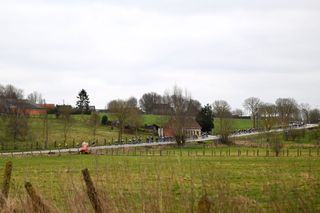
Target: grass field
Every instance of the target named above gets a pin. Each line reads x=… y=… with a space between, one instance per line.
x=174 y=183
x=80 y=131
x=236 y=124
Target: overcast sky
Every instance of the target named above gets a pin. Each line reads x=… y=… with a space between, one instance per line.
x=222 y=49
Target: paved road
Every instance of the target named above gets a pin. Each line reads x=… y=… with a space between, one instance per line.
x=210 y=137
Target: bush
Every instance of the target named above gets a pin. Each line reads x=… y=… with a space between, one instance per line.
x=294 y=134
x=104 y=120
x=275 y=144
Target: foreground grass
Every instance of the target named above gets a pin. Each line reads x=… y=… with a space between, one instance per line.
x=174 y=183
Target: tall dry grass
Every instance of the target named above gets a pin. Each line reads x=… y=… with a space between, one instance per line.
x=161 y=185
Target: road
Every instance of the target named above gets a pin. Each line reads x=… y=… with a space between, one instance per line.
x=210 y=137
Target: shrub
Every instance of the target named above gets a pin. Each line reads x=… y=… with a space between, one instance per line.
x=294 y=134
x=276 y=145
x=104 y=120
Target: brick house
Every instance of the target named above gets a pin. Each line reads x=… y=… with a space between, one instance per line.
x=13 y=105
x=191 y=128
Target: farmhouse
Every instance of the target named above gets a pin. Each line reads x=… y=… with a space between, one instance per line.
x=191 y=128
x=14 y=105
x=47 y=106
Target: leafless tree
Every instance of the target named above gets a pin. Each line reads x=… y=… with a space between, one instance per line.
x=94 y=122
x=287 y=109
x=10 y=92
x=314 y=116
x=65 y=115
x=252 y=105
x=182 y=112
x=237 y=112
x=148 y=101
x=268 y=115
x=17 y=123
x=195 y=107
x=133 y=102
x=305 y=111
x=222 y=110
x=45 y=130
x=135 y=120
x=35 y=98
x=122 y=110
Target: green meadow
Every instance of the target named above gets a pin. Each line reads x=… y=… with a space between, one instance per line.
x=79 y=130
x=175 y=181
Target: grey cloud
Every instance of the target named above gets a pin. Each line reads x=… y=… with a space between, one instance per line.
x=216 y=49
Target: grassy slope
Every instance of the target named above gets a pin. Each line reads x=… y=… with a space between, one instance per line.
x=79 y=131
x=237 y=124
x=176 y=182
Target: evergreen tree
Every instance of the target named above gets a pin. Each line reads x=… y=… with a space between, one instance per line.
x=83 y=101
x=205 y=118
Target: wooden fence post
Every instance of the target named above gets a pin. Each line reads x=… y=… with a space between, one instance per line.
x=91 y=191
x=37 y=202
x=6 y=183
x=6 y=179
x=205 y=204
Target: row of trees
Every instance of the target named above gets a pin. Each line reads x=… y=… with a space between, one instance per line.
x=181 y=108
x=181 y=105
x=283 y=111
x=13 y=123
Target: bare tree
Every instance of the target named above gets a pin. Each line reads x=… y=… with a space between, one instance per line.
x=94 y=122
x=35 y=98
x=10 y=92
x=222 y=110
x=182 y=112
x=305 y=112
x=268 y=115
x=314 y=116
x=45 y=130
x=133 y=102
x=2 y=91
x=135 y=120
x=237 y=112
x=252 y=105
x=65 y=115
x=195 y=107
x=148 y=101
x=287 y=109
x=122 y=110
x=17 y=125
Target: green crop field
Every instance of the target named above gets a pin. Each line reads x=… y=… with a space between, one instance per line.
x=173 y=183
